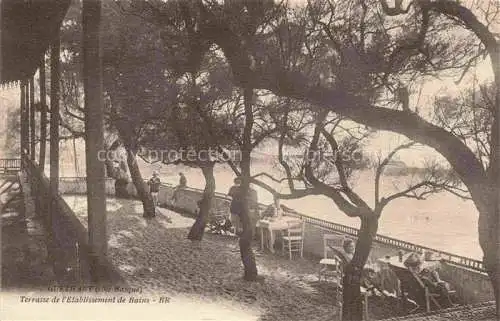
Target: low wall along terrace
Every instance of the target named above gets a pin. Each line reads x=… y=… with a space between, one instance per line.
x=465 y=274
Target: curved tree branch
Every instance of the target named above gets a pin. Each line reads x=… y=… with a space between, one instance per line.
x=383 y=164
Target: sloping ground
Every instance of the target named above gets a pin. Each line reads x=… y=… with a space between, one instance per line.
x=156 y=256
x=24 y=257
x=479 y=312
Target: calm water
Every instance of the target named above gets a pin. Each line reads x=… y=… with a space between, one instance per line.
x=442 y=221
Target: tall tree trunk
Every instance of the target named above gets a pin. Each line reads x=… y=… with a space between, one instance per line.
x=246 y=237
x=352 y=308
x=43 y=116
x=142 y=192
x=32 y=133
x=495 y=177
x=198 y=228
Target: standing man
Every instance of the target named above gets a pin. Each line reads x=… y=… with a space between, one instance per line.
x=253 y=207
x=236 y=205
x=182 y=180
x=182 y=184
x=154 y=187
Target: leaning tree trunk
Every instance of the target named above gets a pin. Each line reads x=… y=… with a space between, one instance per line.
x=198 y=228
x=121 y=190
x=142 y=192
x=352 y=308
x=121 y=180
x=488 y=225
x=494 y=176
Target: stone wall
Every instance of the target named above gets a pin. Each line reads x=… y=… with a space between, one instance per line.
x=471 y=286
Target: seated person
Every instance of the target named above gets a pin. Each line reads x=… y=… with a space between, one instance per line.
x=348 y=249
x=430 y=278
x=369 y=278
x=269 y=212
x=274 y=210
x=371 y=282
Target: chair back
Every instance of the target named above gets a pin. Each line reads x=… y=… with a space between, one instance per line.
x=411 y=283
x=331 y=242
x=295 y=229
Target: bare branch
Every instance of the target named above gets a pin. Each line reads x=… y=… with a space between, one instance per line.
x=281 y=159
x=344 y=205
x=382 y=165
x=269 y=176
x=353 y=197
x=263 y=135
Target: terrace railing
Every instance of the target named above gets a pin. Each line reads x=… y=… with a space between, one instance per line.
x=446 y=256
x=476 y=265
x=10 y=165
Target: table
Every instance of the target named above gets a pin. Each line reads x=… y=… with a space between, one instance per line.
x=274 y=224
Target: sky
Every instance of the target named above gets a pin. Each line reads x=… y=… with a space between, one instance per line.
x=385 y=141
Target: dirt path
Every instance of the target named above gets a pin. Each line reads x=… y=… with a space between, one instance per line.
x=156 y=256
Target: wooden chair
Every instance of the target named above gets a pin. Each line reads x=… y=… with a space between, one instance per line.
x=412 y=286
x=293 y=241
x=331 y=264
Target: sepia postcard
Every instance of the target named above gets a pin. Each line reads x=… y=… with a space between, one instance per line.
x=247 y=160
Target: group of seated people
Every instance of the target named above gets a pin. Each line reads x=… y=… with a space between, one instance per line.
x=430 y=278
x=370 y=279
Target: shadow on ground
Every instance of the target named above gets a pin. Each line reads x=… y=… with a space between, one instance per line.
x=155 y=255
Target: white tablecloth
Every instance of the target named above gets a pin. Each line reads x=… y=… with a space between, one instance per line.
x=274 y=224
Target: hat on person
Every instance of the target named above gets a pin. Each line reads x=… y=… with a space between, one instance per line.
x=369 y=268
x=413 y=260
x=431 y=256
